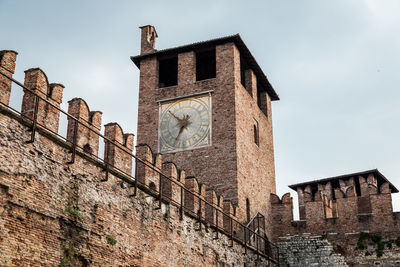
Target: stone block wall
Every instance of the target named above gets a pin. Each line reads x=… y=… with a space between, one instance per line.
x=299 y=251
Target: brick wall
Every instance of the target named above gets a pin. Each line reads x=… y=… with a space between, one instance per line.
x=54 y=212
x=233 y=166
x=256 y=168
x=343 y=219
x=218 y=170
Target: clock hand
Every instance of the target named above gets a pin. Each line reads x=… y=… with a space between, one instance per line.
x=176 y=117
x=180 y=131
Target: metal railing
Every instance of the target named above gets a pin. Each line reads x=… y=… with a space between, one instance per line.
x=233 y=229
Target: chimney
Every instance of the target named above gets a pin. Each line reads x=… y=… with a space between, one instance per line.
x=148 y=40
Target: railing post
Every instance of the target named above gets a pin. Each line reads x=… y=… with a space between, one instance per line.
x=160 y=193
x=245 y=240
x=258 y=255
x=136 y=175
x=74 y=142
x=34 y=124
x=258 y=225
x=199 y=213
x=216 y=222
x=181 y=205
x=231 y=231
x=107 y=149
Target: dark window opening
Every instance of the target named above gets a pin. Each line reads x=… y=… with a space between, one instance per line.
x=205 y=65
x=259 y=94
x=262 y=100
x=358 y=188
x=168 y=72
x=314 y=190
x=335 y=184
x=243 y=68
x=248 y=209
x=256 y=134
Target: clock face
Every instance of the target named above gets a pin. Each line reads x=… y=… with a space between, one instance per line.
x=185 y=124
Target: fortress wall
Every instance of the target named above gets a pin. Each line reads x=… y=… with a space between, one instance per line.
x=343 y=220
x=309 y=251
x=57 y=209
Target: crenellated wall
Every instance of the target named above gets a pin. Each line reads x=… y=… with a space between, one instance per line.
x=340 y=210
x=87 y=211
x=7 y=66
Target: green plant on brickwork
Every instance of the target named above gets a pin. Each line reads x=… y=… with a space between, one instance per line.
x=68 y=258
x=398 y=241
x=360 y=245
x=74 y=213
x=364 y=235
x=389 y=244
x=376 y=239
x=379 y=248
x=360 y=242
x=322 y=237
x=111 y=240
x=367 y=253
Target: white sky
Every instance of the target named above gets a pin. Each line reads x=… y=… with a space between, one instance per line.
x=334 y=65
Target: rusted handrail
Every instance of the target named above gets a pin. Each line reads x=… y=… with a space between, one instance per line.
x=134 y=182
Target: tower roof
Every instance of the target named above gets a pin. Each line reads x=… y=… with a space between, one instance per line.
x=381 y=179
x=236 y=39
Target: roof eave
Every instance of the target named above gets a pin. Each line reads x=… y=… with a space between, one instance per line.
x=324 y=180
x=233 y=38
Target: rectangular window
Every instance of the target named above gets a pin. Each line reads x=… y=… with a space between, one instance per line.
x=243 y=72
x=262 y=99
x=205 y=65
x=167 y=72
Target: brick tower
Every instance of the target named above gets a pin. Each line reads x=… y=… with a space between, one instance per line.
x=207 y=107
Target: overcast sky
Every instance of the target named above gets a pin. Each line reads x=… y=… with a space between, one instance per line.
x=334 y=64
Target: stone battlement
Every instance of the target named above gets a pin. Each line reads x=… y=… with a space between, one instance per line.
x=339 y=208
x=118 y=147
x=65 y=181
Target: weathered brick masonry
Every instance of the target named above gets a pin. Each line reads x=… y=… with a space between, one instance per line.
x=354 y=212
x=54 y=212
x=74 y=207
x=234 y=166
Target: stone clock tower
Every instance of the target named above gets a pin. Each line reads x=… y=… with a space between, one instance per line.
x=207 y=107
